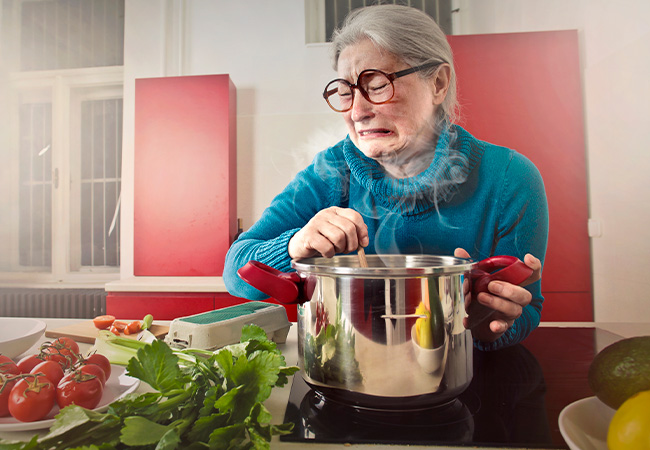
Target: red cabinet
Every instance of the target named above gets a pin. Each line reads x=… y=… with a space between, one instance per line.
x=185 y=175
x=185 y=198
x=170 y=305
x=162 y=305
x=523 y=91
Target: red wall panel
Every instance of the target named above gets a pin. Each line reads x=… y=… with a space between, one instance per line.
x=185 y=175
x=523 y=91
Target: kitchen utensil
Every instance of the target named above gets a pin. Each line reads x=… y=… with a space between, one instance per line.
x=215 y=329
x=355 y=324
x=363 y=262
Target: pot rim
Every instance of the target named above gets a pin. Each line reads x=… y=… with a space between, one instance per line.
x=384 y=265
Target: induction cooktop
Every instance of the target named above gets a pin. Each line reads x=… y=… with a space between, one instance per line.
x=514 y=400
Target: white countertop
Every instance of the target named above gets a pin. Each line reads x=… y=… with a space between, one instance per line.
x=277 y=402
x=167 y=284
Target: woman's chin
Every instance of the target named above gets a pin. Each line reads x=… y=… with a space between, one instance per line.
x=379 y=153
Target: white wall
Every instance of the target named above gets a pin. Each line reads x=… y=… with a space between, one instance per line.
x=283 y=120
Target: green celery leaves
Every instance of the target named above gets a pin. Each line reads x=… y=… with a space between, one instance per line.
x=200 y=400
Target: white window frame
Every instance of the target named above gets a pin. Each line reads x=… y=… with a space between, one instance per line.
x=66 y=89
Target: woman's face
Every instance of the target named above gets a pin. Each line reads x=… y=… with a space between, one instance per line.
x=396 y=132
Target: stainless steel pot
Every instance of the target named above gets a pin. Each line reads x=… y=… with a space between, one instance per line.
x=387 y=336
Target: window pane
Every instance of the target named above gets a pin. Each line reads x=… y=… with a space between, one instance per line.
x=111 y=194
x=67 y=34
x=86 y=224
x=330 y=18
x=337 y=10
x=98 y=229
x=35 y=197
x=101 y=159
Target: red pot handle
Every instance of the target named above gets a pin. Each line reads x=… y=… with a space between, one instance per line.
x=283 y=287
x=496 y=268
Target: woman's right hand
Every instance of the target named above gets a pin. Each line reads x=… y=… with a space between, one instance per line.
x=331 y=231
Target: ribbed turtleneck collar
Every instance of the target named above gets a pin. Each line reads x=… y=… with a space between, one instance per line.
x=456 y=154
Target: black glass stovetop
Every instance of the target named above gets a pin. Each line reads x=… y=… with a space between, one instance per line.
x=514 y=400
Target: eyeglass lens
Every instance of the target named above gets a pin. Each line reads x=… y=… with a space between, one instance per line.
x=374 y=86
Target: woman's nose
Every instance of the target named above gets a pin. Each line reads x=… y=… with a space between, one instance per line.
x=361 y=107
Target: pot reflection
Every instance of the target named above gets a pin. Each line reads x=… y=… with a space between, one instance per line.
x=511 y=385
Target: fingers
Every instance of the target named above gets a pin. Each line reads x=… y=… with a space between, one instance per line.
x=506 y=299
x=535 y=264
x=461 y=253
x=498 y=327
x=360 y=232
x=331 y=231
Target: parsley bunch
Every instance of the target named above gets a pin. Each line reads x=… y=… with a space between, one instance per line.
x=199 y=401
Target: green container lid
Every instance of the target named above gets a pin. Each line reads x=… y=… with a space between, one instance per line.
x=231 y=312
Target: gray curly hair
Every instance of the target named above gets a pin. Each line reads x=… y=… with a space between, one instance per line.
x=406 y=32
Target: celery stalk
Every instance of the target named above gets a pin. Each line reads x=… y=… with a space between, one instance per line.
x=118 y=350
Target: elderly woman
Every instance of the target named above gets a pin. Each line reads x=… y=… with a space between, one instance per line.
x=406 y=179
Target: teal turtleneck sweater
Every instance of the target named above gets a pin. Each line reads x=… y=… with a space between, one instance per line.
x=487 y=199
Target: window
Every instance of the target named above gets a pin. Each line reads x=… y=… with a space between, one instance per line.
x=63 y=148
x=323 y=16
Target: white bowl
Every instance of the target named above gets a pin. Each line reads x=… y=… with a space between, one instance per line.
x=18 y=334
x=584 y=424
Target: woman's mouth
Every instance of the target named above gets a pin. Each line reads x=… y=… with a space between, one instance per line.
x=374 y=132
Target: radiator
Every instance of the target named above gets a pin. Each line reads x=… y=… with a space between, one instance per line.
x=53 y=303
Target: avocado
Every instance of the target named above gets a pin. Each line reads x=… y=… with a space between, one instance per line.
x=621 y=370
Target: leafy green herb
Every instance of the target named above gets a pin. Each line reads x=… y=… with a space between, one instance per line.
x=200 y=400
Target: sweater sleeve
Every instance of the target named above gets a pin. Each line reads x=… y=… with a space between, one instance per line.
x=267 y=240
x=523 y=228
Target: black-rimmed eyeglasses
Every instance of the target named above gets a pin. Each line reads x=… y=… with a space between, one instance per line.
x=375 y=86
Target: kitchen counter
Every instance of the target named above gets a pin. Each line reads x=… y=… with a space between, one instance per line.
x=277 y=403
x=598 y=336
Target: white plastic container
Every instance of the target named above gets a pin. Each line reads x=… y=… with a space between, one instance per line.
x=215 y=329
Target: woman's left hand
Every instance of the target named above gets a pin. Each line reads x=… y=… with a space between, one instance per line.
x=506 y=299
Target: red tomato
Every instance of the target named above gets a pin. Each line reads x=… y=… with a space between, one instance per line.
x=67 y=342
x=133 y=327
x=79 y=389
x=103 y=322
x=66 y=347
x=101 y=361
x=8 y=366
x=5 y=388
x=27 y=363
x=32 y=398
x=52 y=370
x=95 y=370
x=52 y=354
x=114 y=330
x=120 y=325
